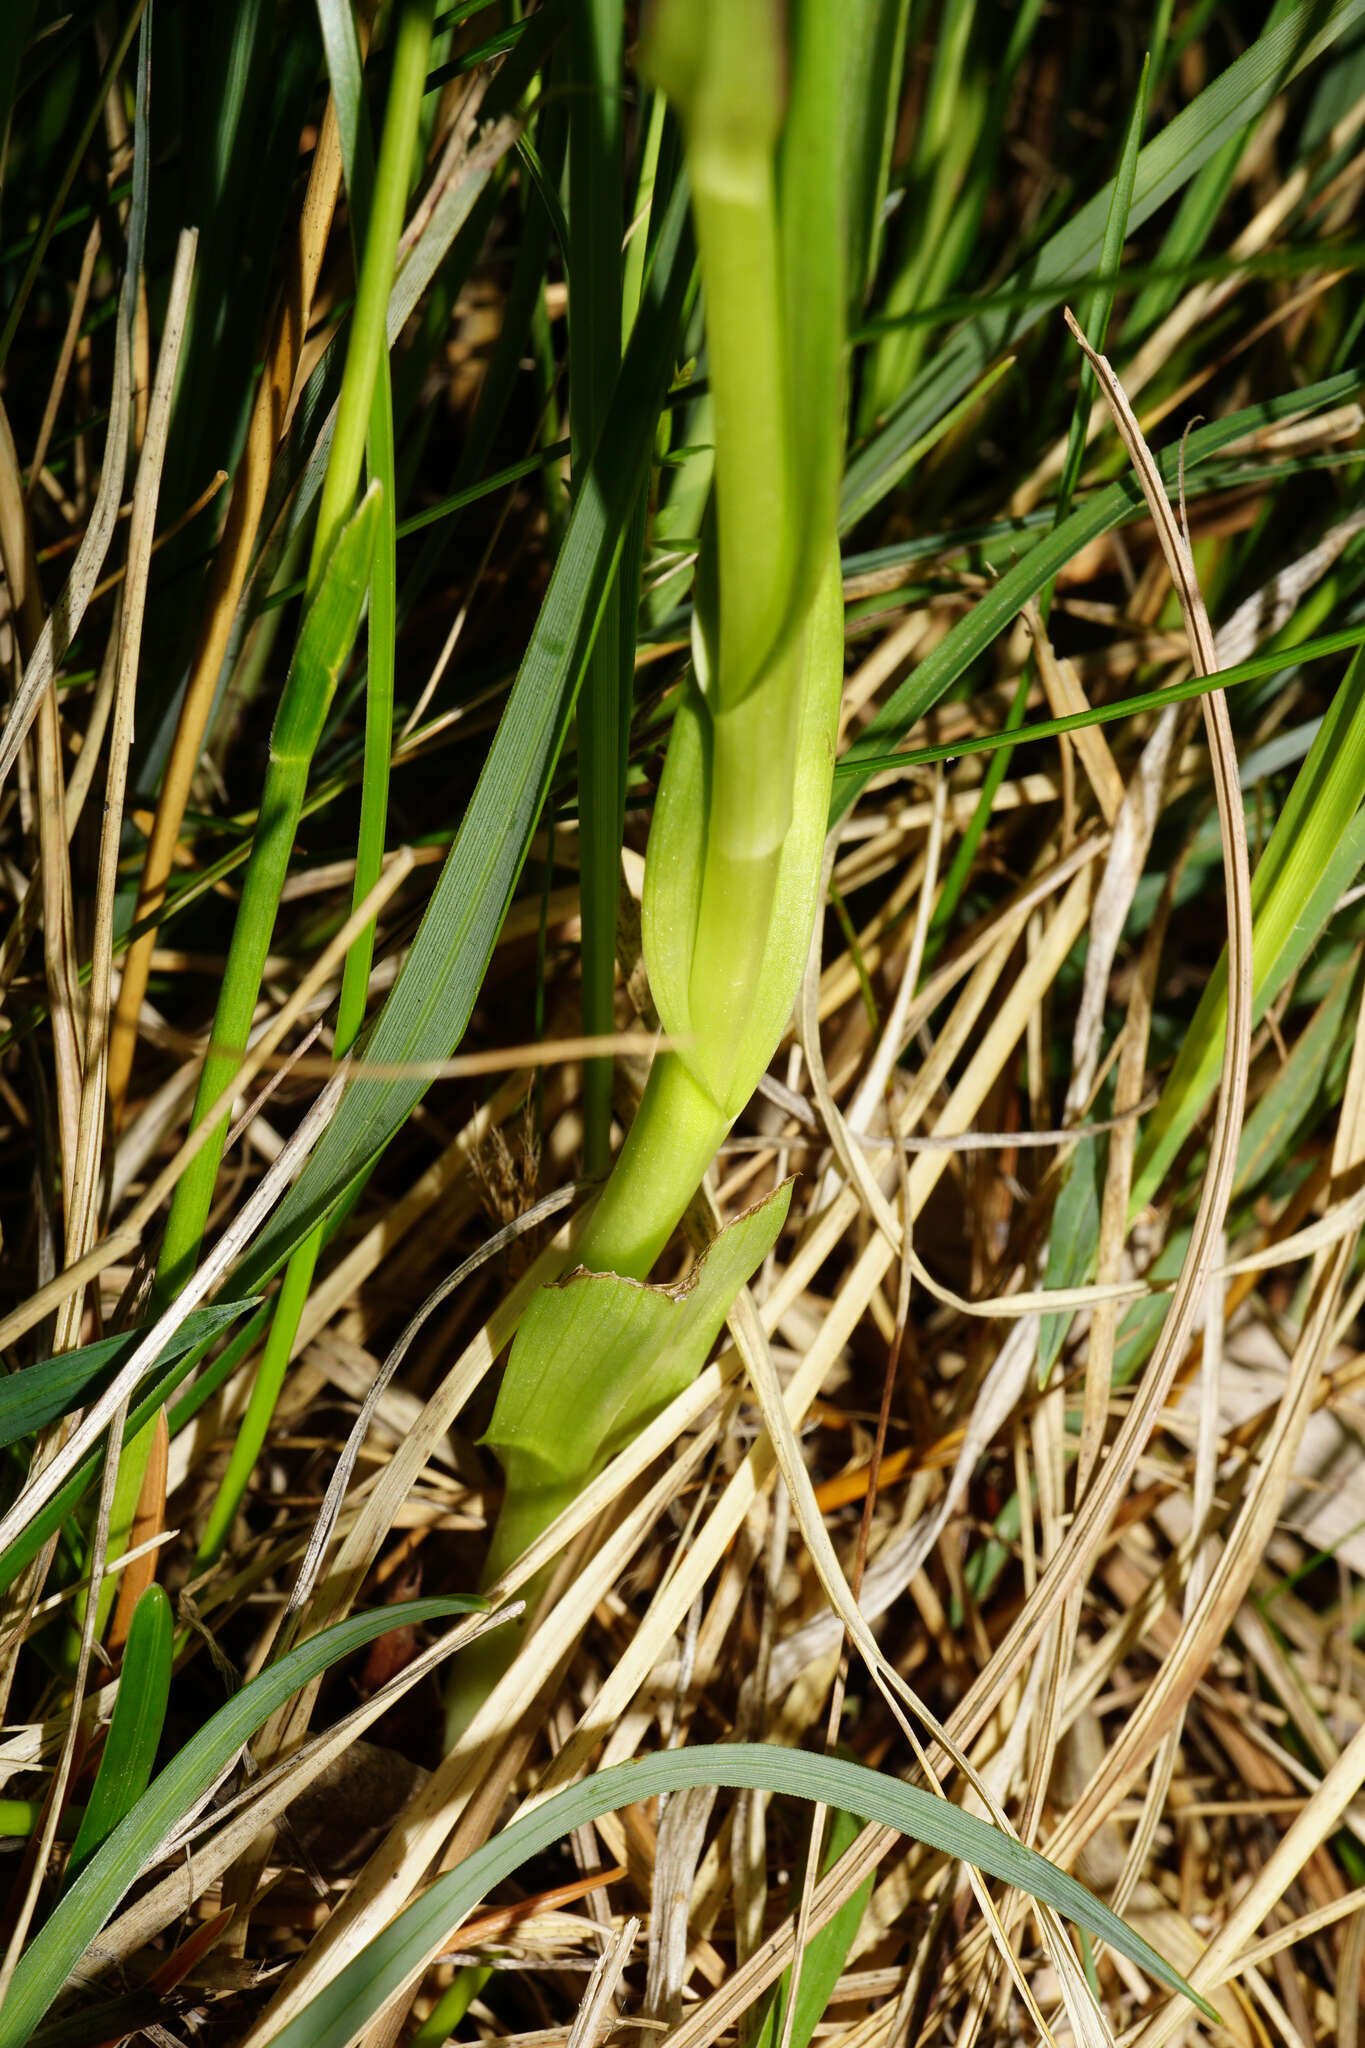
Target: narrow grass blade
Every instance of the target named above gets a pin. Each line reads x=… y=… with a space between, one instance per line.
x=325 y=643
x=1169 y=161
x=1072 y=1243
x=341 y=45
x=1254 y=669
x=144 y=1688
x=1099 y=514
x=949 y=133
x=452 y=237
x=37 y=1394
x=380 y=224
x=68 y=1497
x=172 y=1797
x=874 y=33
x=1314 y=854
x=360 y=1992
x=426 y=1013
x=1312 y=1077
x=367 y=341
x=825 y=1955
x=596 y=168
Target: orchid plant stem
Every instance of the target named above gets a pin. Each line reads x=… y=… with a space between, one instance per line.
x=732 y=874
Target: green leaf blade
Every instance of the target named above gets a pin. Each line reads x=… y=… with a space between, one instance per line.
x=38 y=1394
x=1223 y=109
x=429 y=1006
x=78 y=1917
x=144 y=1690
x=394 y=1958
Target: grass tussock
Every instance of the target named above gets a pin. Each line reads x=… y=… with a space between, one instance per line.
x=885 y=1567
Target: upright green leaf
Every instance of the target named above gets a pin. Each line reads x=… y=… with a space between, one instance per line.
x=596 y=173
x=144 y=1688
x=429 y=1005
x=1315 y=852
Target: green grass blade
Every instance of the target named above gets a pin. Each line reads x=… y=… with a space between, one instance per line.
x=1095 y=320
x=390 y=196
x=949 y=133
x=1072 y=1242
x=1106 y=509
x=596 y=171
x=429 y=1006
x=359 y=1992
x=341 y=47
x=963 y=863
x=453 y=236
x=249 y=1438
x=366 y=345
x=495 y=393
x=325 y=643
x=144 y=1688
x=824 y=1956
x=874 y=33
x=1313 y=856
x=1278 y=662
x=171 y=1798
x=381 y=662
x=38 y=1394
x=1200 y=206
x=1315 y=852
x=1166 y=165
x=1311 y=1077
x=68 y=1497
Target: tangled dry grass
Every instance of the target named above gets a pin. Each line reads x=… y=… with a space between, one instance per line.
x=1103 y=1522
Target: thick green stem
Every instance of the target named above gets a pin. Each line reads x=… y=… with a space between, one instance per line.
x=671 y=1143
x=526 y=1513
x=595 y=1357
x=753 y=765
x=734 y=851
x=722 y=63
x=737 y=238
